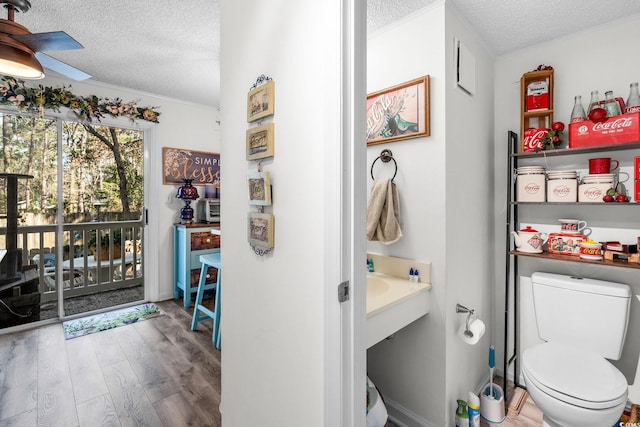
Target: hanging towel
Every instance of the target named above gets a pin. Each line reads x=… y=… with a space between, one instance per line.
x=383 y=213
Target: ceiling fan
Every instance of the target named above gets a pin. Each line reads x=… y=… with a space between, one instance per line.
x=21 y=51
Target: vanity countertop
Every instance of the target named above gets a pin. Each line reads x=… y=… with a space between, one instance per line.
x=392 y=304
x=381 y=297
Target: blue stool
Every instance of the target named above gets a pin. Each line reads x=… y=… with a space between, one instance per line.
x=209 y=260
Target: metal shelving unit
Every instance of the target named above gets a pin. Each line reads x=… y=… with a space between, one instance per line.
x=511 y=261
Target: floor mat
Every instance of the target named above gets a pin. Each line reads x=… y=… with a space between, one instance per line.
x=112 y=319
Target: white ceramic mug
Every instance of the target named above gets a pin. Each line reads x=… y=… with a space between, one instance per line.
x=572 y=225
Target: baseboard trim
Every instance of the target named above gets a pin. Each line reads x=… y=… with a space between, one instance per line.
x=404 y=417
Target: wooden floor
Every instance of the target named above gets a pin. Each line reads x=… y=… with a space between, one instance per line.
x=153 y=373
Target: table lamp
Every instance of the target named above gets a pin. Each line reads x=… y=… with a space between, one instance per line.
x=187 y=193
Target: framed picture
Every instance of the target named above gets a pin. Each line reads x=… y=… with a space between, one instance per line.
x=260 y=141
x=260 y=229
x=259 y=186
x=202 y=167
x=260 y=101
x=399 y=112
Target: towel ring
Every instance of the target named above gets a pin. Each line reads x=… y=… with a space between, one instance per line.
x=386 y=156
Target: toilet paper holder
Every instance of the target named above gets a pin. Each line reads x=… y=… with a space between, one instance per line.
x=462 y=309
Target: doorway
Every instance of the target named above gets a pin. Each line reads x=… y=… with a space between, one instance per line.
x=79 y=216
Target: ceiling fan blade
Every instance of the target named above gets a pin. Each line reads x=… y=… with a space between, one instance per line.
x=60 y=67
x=41 y=42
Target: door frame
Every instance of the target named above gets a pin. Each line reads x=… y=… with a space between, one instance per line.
x=346 y=375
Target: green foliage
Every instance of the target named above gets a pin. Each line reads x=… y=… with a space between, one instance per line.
x=104 y=239
x=87 y=108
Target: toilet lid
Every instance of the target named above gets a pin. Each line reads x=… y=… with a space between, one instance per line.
x=578 y=377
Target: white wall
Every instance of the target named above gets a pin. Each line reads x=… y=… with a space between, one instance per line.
x=446 y=215
x=469 y=213
x=274 y=336
x=602 y=58
x=182 y=125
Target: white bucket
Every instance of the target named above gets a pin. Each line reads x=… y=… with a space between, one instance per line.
x=492 y=407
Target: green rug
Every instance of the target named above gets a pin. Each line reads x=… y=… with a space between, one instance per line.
x=112 y=319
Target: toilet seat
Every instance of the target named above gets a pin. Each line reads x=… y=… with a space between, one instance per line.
x=578 y=377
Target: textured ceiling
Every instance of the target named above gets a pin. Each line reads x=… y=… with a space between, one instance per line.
x=172 y=49
x=508 y=25
x=168 y=48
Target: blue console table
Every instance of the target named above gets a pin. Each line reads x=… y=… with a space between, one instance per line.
x=189 y=242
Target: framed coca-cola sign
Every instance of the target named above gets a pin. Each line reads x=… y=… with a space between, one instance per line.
x=398 y=112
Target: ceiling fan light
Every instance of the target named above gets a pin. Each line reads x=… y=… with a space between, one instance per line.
x=19 y=63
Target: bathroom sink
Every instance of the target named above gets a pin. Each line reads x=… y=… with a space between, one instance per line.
x=376 y=286
x=392 y=304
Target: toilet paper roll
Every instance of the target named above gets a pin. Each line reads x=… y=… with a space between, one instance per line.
x=476 y=327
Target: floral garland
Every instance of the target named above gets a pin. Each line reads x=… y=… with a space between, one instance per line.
x=87 y=108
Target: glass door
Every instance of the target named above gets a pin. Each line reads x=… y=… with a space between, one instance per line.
x=71 y=230
x=103 y=199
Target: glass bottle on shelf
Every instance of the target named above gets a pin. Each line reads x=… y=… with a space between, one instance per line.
x=633 y=102
x=611 y=105
x=578 y=114
x=594 y=102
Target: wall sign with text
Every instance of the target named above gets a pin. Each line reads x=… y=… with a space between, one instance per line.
x=178 y=163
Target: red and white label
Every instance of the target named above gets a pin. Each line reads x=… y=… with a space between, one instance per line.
x=562 y=191
x=593 y=194
x=615 y=130
x=532 y=188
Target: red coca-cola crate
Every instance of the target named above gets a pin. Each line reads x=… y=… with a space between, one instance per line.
x=532 y=139
x=620 y=129
x=636 y=168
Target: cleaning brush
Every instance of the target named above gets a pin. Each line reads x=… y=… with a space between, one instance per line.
x=492 y=365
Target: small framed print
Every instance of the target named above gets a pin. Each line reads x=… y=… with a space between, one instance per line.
x=260 y=142
x=259 y=185
x=260 y=229
x=260 y=101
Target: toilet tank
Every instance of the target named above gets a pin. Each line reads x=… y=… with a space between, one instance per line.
x=585 y=313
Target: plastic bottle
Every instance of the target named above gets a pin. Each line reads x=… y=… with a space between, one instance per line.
x=371 y=265
x=474 y=410
x=633 y=102
x=462 y=416
x=595 y=101
x=578 y=114
x=611 y=105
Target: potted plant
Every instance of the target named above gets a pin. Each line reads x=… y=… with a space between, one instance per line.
x=104 y=244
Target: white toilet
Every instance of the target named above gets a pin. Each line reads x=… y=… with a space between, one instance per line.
x=583 y=321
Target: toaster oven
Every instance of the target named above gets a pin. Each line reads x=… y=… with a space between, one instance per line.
x=208 y=210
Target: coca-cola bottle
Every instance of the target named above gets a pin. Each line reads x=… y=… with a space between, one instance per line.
x=633 y=102
x=595 y=101
x=578 y=115
x=611 y=105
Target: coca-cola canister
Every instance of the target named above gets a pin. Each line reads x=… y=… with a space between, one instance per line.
x=530 y=184
x=562 y=186
x=532 y=139
x=594 y=187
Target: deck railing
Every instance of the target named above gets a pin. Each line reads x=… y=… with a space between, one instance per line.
x=74 y=265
